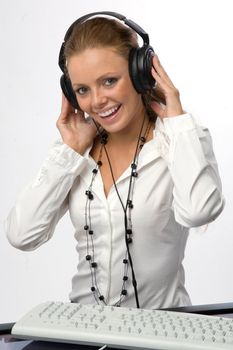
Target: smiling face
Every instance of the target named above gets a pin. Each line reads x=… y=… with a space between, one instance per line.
x=103 y=88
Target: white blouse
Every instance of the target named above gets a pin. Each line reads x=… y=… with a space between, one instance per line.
x=177 y=187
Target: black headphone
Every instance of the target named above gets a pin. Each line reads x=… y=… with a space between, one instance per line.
x=140 y=59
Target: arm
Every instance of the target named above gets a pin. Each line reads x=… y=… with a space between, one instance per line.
x=44 y=201
x=189 y=154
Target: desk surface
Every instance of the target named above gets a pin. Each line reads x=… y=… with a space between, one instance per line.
x=9 y=343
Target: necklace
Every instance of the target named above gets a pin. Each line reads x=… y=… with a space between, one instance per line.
x=127 y=208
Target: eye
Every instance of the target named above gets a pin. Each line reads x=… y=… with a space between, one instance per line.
x=81 y=91
x=110 y=81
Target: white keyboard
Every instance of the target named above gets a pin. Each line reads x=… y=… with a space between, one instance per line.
x=126 y=328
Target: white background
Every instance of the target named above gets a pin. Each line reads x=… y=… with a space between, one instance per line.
x=194 y=42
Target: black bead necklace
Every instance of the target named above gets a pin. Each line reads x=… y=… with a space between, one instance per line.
x=90 y=254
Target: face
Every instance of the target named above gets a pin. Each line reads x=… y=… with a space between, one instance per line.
x=103 y=88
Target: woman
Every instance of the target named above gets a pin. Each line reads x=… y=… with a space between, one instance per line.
x=135 y=176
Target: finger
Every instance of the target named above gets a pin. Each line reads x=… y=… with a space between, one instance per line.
x=161 y=83
x=158 y=67
x=157 y=108
x=66 y=111
x=160 y=71
x=79 y=117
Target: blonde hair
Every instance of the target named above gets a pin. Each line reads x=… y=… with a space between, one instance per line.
x=104 y=32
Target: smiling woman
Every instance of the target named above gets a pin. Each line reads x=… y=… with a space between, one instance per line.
x=135 y=175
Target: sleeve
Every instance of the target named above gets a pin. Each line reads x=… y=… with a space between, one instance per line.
x=44 y=201
x=187 y=149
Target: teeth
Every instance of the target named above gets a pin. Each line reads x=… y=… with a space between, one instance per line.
x=107 y=113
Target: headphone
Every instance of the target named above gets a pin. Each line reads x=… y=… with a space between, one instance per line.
x=140 y=59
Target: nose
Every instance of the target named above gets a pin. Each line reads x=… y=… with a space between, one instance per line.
x=99 y=99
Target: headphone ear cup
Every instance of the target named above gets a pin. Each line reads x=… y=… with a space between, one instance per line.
x=68 y=91
x=140 y=64
x=133 y=69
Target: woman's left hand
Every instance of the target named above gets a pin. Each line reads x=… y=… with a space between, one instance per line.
x=173 y=105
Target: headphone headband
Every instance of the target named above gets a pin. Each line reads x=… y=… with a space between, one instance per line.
x=141 y=32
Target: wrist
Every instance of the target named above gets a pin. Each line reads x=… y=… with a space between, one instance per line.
x=78 y=147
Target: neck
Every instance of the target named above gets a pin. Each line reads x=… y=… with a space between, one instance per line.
x=131 y=134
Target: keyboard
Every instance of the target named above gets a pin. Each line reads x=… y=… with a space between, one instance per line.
x=127 y=328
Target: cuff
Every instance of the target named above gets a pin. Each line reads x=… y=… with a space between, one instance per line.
x=174 y=125
x=64 y=156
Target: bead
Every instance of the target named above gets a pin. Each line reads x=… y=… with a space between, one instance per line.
x=134 y=166
x=125 y=261
x=101 y=297
x=88 y=257
x=95 y=171
x=94 y=265
x=103 y=139
x=129 y=240
x=125 y=278
x=89 y=194
x=129 y=231
x=91 y=232
x=130 y=203
x=99 y=163
x=104 y=135
x=134 y=174
x=86 y=227
x=124 y=292
x=92 y=288
x=143 y=139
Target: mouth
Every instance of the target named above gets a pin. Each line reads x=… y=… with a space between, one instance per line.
x=110 y=112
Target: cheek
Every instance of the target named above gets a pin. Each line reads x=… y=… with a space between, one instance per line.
x=128 y=92
x=83 y=104
x=123 y=92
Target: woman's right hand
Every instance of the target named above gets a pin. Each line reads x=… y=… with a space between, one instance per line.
x=75 y=130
